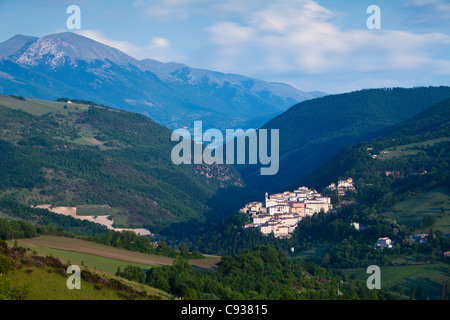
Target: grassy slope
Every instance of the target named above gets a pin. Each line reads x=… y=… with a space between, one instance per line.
x=411 y=148
x=131 y=171
x=410 y=212
x=43 y=285
x=92 y=261
x=102 y=257
x=46 y=282
x=429 y=277
x=40 y=107
x=314 y=131
x=47 y=285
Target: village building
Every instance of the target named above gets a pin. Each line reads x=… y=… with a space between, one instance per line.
x=279 y=208
x=383 y=243
x=343 y=186
x=358 y=226
x=420 y=238
x=253 y=207
x=280 y=213
x=297 y=208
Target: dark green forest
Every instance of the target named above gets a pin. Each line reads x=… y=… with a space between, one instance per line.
x=314 y=131
x=376 y=193
x=47 y=159
x=260 y=273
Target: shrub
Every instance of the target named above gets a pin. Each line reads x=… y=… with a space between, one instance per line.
x=6 y=264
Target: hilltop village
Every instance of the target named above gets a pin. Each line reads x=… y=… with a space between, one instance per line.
x=343 y=186
x=281 y=212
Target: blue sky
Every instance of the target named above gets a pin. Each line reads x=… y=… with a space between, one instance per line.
x=313 y=45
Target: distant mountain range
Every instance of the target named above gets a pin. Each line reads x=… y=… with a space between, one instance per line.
x=172 y=94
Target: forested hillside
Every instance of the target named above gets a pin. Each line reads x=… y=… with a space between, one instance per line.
x=314 y=131
x=68 y=154
x=401 y=179
x=408 y=158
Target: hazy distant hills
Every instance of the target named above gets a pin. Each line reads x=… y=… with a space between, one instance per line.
x=172 y=94
x=314 y=131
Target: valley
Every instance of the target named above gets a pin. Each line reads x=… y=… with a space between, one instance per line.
x=179 y=94
x=88 y=177
x=408 y=203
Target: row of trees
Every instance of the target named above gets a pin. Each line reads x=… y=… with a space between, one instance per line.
x=261 y=273
x=46 y=220
x=131 y=241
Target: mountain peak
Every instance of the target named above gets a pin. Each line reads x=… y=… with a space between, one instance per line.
x=68 y=47
x=14 y=44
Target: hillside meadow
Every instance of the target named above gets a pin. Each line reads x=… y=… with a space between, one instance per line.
x=102 y=257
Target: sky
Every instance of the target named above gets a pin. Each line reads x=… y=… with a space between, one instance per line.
x=321 y=45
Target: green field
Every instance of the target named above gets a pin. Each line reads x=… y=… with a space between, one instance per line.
x=411 y=149
x=315 y=251
x=120 y=219
x=92 y=261
x=47 y=284
x=95 y=210
x=44 y=285
x=40 y=107
x=410 y=212
x=430 y=277
x=105 y=260
x=102 y=257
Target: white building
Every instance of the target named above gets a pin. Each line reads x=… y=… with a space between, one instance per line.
x=383 y=243
x=285 y=210
x=261 y=218
x=358 y=226
x=253 y=207
x=316 y=206
x=345 y=183
x=279 y=209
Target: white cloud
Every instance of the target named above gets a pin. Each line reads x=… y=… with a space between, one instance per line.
x=439 y=5
x=229 y=33
x=158 y=48
x=171 y=9
x=301 y=37
x=429 y=12
x=267 y=38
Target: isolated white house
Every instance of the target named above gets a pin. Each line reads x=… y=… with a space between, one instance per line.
x=384 y=243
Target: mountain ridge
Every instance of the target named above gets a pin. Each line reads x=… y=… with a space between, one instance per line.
x=174 y=95
x=313 y=131
x=431 y=124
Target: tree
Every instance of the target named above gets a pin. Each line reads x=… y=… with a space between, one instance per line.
x=6 y=290
x=5 y=229
x=427 y=221
x=6 y=264
x=192 y=294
